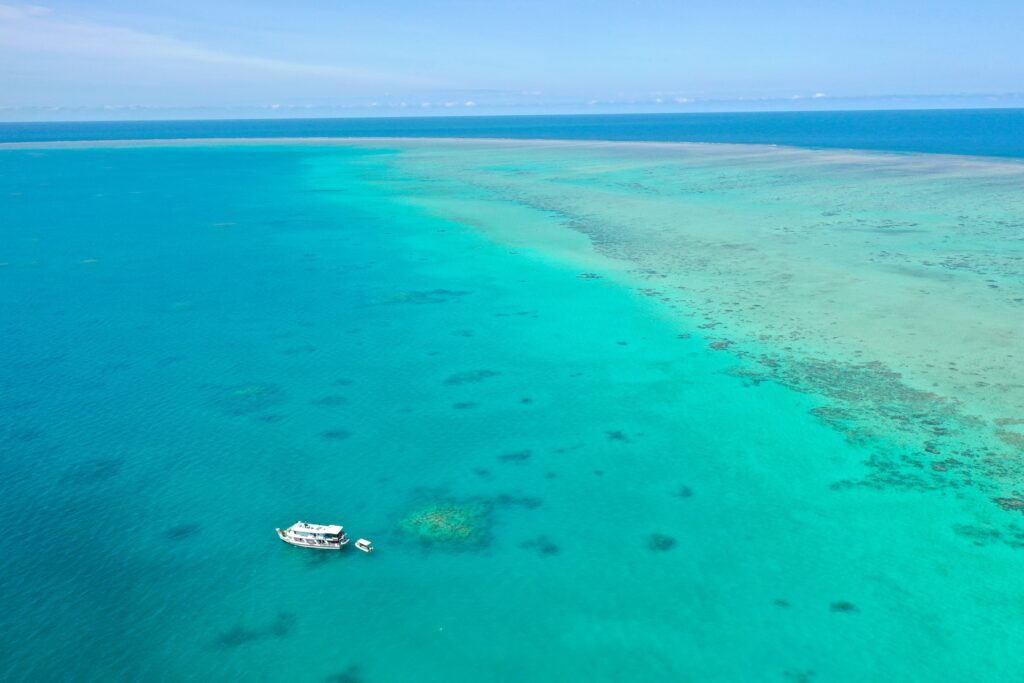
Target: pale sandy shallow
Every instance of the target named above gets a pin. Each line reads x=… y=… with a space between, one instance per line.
x=891 y=284
x=916 y=259
x=852 y=155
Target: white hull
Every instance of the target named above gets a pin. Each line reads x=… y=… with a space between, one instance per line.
x=310 y=543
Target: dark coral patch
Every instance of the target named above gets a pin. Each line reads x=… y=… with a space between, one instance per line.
x=237 y=636
x=352 y=674
x=23 y=434
x=244 y=399
x=980 y=535
x=181 y=532
x=660 y=542
x=542 y=545
x=528 y=502
x=843 y=606
x=329 y=401
x=280 y=627
x=1010 y=438
x=93 y=471
x=470 y=377
x=1010 y=504
x=516 y=456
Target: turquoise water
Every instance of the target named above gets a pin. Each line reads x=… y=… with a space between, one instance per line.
x=203 y=343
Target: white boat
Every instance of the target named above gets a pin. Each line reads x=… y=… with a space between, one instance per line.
x=320 y=536
x=365 y=545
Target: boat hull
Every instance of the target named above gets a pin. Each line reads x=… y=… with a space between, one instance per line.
x=309 y=544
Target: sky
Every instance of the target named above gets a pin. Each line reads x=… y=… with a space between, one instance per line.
x=193 y=58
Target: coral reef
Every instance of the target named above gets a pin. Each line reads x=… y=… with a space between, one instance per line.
x=280 y=627
x=181 y=532
x=470 y=377
x=244 y=399
x=93 y=471
x=450 y=522
x=542 y=545
x=516 y=456
x=660 y=542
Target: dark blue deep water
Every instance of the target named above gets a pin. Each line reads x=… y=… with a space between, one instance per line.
x=983 y=132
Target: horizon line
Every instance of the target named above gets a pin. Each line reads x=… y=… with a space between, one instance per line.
x=474 y=115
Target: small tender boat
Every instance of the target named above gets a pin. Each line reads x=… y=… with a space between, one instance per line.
x=321 y=536
x=365 y=545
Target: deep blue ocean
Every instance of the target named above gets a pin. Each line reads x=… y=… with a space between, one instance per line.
x=984 y=132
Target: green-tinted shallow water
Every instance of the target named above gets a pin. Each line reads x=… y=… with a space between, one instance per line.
x=203 y=343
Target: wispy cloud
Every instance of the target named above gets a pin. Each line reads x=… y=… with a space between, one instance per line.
x=114 y=55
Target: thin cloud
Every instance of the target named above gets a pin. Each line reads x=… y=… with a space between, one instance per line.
x=30 y=31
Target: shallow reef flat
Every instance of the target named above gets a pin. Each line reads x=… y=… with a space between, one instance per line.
x=890 y=285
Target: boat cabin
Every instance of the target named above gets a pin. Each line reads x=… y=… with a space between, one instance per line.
x=322 y=536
